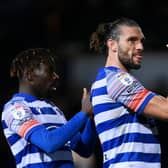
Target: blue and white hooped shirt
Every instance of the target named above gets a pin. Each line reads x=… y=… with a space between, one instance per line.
x=22 y=115
x=129 y=140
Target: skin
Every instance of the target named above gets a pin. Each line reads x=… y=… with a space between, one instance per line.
x=41 y=82
x=130 y=48
x=126 y=54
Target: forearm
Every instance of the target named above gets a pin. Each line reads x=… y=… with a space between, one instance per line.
x=157 y=108
x=52 y=140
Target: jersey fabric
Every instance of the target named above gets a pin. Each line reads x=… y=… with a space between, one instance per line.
x=25 y=114
x=128 y=139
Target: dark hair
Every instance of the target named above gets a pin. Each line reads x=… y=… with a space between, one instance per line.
x=106 y=31
x=30 y=59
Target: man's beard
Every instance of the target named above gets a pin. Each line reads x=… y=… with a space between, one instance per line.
x=127 y=61
x=129 y=64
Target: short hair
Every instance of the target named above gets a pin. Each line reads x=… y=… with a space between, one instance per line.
x=108 y=30
x=31 y=59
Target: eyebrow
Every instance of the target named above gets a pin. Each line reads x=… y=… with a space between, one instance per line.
x=134 y=38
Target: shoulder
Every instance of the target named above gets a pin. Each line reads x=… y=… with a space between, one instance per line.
x=124 y=77
x=14 y=105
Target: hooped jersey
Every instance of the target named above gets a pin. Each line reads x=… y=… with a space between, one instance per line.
x=129 y=140
x=22 y=115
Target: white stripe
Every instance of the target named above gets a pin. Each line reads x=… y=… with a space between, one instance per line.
x=109 y=115
x=123 y=129
x=99 y=83
x=49 y=118
x=34 y=104
x=7 y=132
x=101 y=99
x=18 y=146
x=39 y=158
x=135 y=165
x=132 y=147
x=39 y=104
x=43 y=104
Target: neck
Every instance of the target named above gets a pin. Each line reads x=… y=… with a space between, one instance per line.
x=25 y=89
x=113 y=61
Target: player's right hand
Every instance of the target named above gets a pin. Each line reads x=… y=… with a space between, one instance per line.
x=85 y=103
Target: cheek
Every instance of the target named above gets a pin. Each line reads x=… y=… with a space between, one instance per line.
x=129 y=49
x=124 y=48
x=130 y=53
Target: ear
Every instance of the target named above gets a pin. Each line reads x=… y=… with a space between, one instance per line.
x=112 y=44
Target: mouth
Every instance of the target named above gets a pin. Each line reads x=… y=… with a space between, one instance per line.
x=54 y=86
x=138 y=57
x=138 y=54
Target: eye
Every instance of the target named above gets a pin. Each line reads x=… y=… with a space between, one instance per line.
x=132 y=39
x=135 y=40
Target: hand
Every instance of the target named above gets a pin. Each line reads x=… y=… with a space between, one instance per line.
x=86 y=104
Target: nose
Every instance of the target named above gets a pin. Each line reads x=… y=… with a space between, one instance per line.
x=139 y=46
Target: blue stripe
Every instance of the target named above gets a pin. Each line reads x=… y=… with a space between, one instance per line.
x=30 y=148
x=99 y=91
x=105 y=107
x=34 y=111
x=13 y=139
x=4 y=124
x=47 y=110
x=109 y=124
x=113 y=68
x=25 y=96
x=44 y=110
x=131 y=137
x=134 y=156
x=101 y=74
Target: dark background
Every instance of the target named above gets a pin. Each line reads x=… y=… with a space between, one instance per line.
x=66 y=27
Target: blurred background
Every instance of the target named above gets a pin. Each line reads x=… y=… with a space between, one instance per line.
x=66 y=27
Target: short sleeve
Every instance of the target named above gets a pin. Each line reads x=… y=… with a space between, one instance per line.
x=19 y=118
x=124 y=88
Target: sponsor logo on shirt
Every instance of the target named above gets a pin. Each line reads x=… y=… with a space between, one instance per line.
x=18 y=112
x=125 y=78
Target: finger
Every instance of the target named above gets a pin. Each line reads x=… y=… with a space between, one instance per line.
x=84 y=92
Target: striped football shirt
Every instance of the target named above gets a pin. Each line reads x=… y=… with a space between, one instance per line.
x=128 y=139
